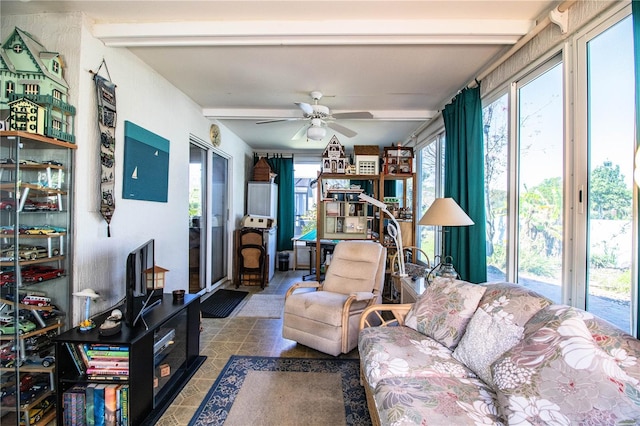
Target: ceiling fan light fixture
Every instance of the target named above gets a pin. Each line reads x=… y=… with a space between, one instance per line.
x=316 y=133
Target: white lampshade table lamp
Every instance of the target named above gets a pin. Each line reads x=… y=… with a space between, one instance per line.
x=89 y=295
x=393 y=229
x=445 y=212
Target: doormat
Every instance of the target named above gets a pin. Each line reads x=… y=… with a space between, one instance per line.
x=221 y=303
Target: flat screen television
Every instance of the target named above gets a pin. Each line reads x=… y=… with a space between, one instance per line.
x=140 y=270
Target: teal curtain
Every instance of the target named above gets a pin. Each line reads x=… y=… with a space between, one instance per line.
x=283 y=168
x=635 y=11
x=464 y=182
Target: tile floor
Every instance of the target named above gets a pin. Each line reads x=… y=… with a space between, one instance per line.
x=224 y=337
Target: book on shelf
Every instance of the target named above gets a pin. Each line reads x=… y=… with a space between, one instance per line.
x=90 y=404
x=75 y=356
x=107 y=378
x=73 y=400
x=110 y=405
x=98 y=404
x=104 y=363
x=98 y=371
x=124 y=405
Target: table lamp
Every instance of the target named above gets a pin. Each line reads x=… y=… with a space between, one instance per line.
x=445 y=212
x=90 y=295
x=393 y=229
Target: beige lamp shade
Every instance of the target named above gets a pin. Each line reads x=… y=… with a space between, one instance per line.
x=445 y=212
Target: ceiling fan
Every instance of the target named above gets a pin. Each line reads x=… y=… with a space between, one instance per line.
x=320 y=117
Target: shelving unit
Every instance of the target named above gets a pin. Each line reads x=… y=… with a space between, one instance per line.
x=341 y=216
x=35 y=219
x=161 y=359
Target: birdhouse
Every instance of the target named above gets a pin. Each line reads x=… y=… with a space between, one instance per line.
x=367 y=159
x=155 y=277
x=26 y=116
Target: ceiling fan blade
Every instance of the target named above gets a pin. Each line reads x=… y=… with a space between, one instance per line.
x=356 y=114
x=338 y=128
x=278 y=120
x=299 y=133
x=306 y=108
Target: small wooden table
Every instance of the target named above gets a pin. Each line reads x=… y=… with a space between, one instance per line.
x=410 y=289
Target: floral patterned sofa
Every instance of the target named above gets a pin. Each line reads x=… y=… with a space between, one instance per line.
x=496 y=354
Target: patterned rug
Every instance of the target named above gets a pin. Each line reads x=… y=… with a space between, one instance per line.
x=285 y=391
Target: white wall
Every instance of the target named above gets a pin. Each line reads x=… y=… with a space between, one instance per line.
x=147 y=99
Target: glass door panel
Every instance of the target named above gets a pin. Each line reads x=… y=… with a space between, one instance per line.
x=540 y=197
x=610 y=127
x=197 y=203
x=219 y=208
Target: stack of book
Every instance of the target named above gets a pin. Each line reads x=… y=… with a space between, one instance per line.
x=101 y=361
x=96 y=404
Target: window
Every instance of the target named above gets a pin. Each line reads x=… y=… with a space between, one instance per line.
x=559 y=197
x=305 y=197
x=9 y=89
x=431 y=186
x=56 y=124
x=55 y=66
x=495 y=118
x=57 y=94
x=31 y=89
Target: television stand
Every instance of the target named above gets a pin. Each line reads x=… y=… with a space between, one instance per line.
x=163 y=356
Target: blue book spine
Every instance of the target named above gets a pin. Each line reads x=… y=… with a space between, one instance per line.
x=98 y=405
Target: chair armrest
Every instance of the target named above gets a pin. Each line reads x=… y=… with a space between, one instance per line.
x=363 y=295
x=303 y=284
x=399 y=312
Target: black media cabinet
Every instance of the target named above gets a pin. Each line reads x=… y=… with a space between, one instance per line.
x=162 y=357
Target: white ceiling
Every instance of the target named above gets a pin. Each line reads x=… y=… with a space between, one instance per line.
x=246 y=61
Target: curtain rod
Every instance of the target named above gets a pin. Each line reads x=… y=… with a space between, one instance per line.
x=563 y=7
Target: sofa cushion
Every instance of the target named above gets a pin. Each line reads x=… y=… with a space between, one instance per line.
x=558 y=374
x=485 y=340
x=435 y=401
x=513 y=303
x=443 y=311
x=387 y=352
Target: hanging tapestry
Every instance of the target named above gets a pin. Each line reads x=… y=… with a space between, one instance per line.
x=106 y=92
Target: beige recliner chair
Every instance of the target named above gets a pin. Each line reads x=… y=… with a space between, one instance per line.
x=327 y=319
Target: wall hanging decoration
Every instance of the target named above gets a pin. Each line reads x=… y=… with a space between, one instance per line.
x=146 y=164
x=106 y=92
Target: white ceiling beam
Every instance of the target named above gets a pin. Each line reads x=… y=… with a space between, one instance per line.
x=266 y=114
x=262 y=33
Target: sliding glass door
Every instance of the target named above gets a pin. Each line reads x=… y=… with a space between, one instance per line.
x=610 y=147
x=540 y=182
x=208 y=216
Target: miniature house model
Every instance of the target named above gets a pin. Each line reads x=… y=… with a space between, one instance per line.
x=333 y=157
x=29 y=71
x=367 y=159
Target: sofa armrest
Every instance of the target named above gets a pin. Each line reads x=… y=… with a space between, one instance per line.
x=304 y=284
x=373 y=315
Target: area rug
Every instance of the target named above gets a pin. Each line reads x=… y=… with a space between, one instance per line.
x=263 y=306
x=221 y=303
x=254 y=390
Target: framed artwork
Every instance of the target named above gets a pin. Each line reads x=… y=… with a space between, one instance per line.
x=146 y=165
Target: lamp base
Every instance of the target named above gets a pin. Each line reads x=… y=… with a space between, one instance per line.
x=87 y=325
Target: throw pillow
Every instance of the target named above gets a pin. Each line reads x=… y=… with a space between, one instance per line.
x=486 y=338
x=443 y=311
x=559 y=375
